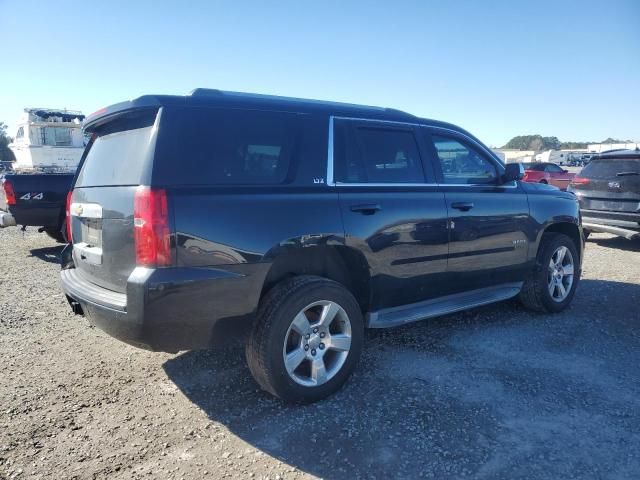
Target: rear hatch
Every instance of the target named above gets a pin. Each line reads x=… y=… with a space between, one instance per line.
x=611 y=184
x=117 y=161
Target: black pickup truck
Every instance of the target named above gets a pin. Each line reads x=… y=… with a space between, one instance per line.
x=35 y=200
x=309 y=220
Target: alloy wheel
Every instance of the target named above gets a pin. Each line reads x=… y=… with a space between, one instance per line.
x=560 y=274
x=317 y=343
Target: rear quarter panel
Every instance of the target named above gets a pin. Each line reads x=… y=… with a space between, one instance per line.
x=226 y=226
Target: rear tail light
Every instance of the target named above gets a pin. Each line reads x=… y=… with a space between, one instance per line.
x=69 y=229
x=151 y=227
x=9 y=192
x=580 y=181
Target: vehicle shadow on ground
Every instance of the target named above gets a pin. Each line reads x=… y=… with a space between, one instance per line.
x=48 y=254
x=617 y=243
x=491 y=392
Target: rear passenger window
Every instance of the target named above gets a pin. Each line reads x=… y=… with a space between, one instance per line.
x=462 y=164
x=210 y=146
x=376 y=154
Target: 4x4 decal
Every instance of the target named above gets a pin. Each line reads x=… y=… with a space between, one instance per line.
x=32 y=196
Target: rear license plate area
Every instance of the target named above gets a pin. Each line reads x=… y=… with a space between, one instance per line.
x=91 y=229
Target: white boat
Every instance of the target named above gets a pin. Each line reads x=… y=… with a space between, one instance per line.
x=48 y=140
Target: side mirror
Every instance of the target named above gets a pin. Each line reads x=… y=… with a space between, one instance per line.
x=513 y=172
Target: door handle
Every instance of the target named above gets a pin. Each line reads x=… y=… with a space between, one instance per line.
x=366 y=209
x=464 y=206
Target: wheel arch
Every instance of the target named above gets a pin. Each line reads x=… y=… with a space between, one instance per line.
x=339 y=263
x=569 y=229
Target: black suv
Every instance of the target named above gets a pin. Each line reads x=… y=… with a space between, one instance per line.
x=308 y=221
x=609 y=193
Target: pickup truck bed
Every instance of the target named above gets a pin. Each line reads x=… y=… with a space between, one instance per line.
x=40 y=200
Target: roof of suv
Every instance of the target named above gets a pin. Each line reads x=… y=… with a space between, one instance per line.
x=210 y=97
x=622 y=154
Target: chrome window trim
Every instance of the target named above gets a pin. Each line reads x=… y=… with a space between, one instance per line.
x=413 y=185
x=330 y=154
x=330 y=167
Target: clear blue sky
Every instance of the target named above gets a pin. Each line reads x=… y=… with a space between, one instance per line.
x=497 y=68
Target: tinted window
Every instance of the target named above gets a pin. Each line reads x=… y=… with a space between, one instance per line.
x=607 y=168
x=462 y=164
x=376 y=154
x=553 y=168
x=115 y=159
x=211 y=146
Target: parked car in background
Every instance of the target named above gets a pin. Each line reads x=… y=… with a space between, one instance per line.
x=48 y=147
x=548 y=173
x=310 y=221
x=35 y=200
x=608 y=190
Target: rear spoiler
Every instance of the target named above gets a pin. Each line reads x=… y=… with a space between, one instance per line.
x=105 y=114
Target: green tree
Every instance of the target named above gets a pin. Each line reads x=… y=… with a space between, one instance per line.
x=6 y=155
x=533 y=142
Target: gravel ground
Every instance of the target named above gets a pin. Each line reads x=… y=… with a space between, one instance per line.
x=493 y=393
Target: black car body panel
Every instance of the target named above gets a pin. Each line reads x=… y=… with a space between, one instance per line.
x=287 y=205
x=40 y=198
x=608 y=190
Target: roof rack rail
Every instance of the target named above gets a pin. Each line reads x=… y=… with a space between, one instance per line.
x=214 y=92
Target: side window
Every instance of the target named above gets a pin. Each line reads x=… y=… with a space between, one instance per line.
x=553 y=168
x=376 y=154
x=462 y=164
x=211 y=146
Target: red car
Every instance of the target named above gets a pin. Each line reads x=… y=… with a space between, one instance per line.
x=549 y=173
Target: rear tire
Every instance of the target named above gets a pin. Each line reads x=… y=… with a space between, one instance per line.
x=57 y=235
x=552 y=284
x=289 y=328
x=544 y=182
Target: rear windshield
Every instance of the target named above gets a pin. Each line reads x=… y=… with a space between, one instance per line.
x=606 y=168
x=214 y=146
x=119 y=152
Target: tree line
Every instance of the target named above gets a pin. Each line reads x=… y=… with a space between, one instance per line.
x=538 y=142
x=6 y=155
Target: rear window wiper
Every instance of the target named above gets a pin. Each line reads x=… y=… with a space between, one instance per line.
x=626 y=174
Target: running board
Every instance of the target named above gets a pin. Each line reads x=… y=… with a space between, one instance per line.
x=392 y=317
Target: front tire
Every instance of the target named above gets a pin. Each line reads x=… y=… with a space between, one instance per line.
x=306 y=340
x=553 y=282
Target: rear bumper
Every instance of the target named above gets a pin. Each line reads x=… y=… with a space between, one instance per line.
x=7 y=220
x=171 y=309
x=41 y=215
x=623 y=224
